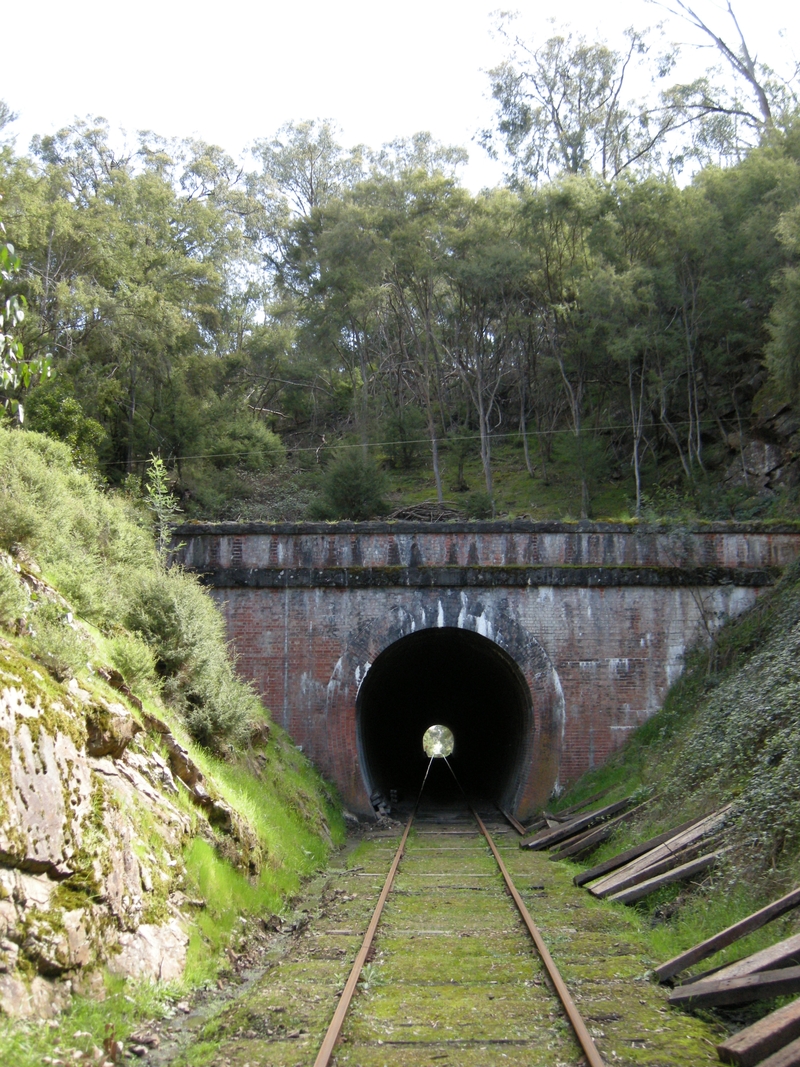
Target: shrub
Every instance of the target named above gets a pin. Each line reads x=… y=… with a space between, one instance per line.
x=88 y=542
x=97 y=549
x=405 y=433
x=58 y=642
x=244 y=442
x=51 y=411
x=479 y=505
x=136 y=662
x=13 y=597
x=352 y=488
x=181 y=623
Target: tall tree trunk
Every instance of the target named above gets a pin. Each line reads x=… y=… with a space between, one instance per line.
x=523 y=421
x=131 y=417
x=486 y=446
x=637 y=424
x=437 y=475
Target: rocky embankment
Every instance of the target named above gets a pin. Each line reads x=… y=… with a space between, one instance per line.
x=97 y=801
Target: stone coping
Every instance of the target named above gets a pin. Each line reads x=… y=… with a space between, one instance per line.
x=233 y=529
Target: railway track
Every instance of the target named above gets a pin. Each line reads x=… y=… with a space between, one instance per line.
x=455 y=966
x=453 y=978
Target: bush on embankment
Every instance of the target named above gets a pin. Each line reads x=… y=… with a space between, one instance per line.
x=84 y=593
x=97 y=549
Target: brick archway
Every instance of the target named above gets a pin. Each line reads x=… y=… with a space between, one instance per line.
x=597 y=617
x=536 y=766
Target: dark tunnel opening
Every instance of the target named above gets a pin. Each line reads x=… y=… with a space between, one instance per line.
x=454 y=678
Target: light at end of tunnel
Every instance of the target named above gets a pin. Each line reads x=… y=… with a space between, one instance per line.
x=438 y=741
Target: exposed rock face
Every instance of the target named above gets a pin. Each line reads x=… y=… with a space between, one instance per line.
x=760 y=465
x=152 y=952
x=91 y=841
x=111 y=728
x=47 y=797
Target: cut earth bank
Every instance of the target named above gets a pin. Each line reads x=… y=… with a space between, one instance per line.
x=116 y=851
x=148 y=808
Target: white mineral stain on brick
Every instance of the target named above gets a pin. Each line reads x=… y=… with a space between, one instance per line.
x=440 y=616
x=336 y=678
x=619 y=666
x=361 y=674
x=560 y=706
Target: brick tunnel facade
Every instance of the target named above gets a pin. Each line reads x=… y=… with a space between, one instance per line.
x=541 y=645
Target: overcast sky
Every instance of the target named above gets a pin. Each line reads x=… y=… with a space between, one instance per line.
x=235 y=70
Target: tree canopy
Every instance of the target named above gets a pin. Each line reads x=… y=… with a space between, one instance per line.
x=247 y=322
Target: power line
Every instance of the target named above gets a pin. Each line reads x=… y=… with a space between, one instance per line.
x=340 y=445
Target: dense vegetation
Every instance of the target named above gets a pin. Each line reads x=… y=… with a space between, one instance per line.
x=560 y=345
x=84 y=589
x=167 y=637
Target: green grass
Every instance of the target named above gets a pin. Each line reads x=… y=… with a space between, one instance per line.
x=114 y=1013
x=294 y=813
x=296 y=821
x=230 y=896
x=516 y=493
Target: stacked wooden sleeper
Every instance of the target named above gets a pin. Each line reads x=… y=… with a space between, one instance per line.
x=677 y=855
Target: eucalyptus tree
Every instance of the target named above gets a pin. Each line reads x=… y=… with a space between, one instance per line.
x=722 y=259
x=783 y=349
x=558 y=222
x=127 y=254
x=733 y=106
x=429 y=214
x=634 y=241
x=487 y=275
x=564 y=106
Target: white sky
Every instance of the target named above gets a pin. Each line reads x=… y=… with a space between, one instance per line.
x=232 y=71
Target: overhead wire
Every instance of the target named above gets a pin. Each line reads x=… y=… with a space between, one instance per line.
x=354 y=445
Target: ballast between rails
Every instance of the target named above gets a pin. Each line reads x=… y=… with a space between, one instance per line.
x=593 y=1057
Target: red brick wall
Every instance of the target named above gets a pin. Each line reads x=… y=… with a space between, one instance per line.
x=598 y=652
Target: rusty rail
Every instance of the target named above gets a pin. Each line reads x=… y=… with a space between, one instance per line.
x=593 y=1057
x=336 y=1023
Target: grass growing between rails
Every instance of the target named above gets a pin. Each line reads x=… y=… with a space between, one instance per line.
x=729 y=733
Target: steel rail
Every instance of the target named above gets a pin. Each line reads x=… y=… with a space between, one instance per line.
x=593 y=1057
x=336 y=1023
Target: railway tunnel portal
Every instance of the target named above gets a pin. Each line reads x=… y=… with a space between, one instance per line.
x=541 y=645
x=454 y=678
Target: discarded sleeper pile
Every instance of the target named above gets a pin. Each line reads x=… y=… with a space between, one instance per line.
x=677 y=855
